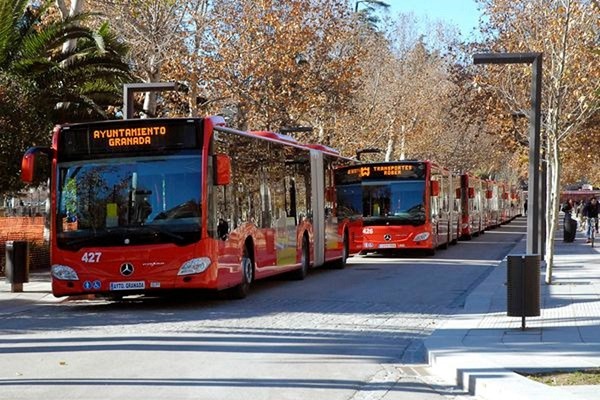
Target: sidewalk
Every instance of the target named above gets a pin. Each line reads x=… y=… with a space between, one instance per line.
x=480 y=348
x=37 y=291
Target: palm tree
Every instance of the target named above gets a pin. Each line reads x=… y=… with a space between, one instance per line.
x=40 y=85
x=369 y=7
x=74 y=85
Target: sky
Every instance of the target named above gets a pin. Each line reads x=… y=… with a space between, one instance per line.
x=460 y=13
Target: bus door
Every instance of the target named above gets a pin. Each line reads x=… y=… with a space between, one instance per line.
x=440 y=208
x=318 y=206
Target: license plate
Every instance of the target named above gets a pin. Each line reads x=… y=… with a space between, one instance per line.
x=129 y=285
x=387 y=246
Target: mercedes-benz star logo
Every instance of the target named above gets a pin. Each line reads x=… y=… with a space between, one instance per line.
x=387 y=237
x=126 y=269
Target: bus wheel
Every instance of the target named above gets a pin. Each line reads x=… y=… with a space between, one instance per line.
x=301 y=273
x=243 y=288
x=341 y=263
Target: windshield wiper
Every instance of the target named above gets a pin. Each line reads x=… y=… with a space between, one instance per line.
x=166 y=232
x=96 y=239
x=117 y=236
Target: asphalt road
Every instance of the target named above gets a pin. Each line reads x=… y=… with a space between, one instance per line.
x=340 y=334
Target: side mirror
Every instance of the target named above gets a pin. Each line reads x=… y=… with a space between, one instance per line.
x=31 y=167
x=222 y=169
x=471 y=193
x=435 y=188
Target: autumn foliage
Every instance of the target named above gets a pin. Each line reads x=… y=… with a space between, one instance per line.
x=405 y=88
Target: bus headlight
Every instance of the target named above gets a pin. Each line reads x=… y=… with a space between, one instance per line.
x=64 y=273
x=421 y=236
x=194 y=266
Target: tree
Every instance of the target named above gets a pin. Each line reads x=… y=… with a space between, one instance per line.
x=417 y=99
x=369 y=7
x=158 y=32
x=19 y=130
x=46 y=84
x=274 y=65
x=73 y=85
x=565 y=31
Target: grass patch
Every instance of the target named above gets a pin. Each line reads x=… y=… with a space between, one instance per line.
x=565 y=378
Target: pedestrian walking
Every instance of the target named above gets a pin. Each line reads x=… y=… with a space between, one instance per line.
x=590 y=211
x=569 y=224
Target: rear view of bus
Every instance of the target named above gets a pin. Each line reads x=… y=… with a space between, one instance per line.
x=405 y=205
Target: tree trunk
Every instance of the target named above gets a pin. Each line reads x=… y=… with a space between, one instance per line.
x=552 y=194
x=391 y=144
x=150 y=97
x=76 y=6
x=403 y=143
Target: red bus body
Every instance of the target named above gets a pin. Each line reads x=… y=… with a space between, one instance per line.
x=516 y=206
x=148 y=205
x=472 y=202
x=404 y=204
x=492 y=204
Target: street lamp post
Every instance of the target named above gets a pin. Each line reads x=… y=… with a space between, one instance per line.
x=364 y=151
x=130 y=88
x=533 y=190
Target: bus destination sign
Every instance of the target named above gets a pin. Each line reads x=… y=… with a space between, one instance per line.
x=126 y=137
x=381 y=172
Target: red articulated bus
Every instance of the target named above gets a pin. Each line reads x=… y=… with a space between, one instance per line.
x=516 y=205
x=404 y=204
x=151 y=205
x=471 y=194
x=492 y=204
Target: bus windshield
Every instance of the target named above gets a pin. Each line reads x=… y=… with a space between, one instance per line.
x=128 y=201
x=397 y=202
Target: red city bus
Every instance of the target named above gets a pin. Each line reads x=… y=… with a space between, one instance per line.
x=515 y=202
x=404 y=204
x=492 y=204
x=471 y=195
x=502 y=202
x=456 y=208
x=150 y=205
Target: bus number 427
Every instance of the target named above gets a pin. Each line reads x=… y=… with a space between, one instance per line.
x=91 y=257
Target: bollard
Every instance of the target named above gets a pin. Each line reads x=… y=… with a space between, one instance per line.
x=17 y=264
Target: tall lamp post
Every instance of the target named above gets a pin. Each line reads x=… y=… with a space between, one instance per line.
x=364 y=151
x=533 y=190
x=130 y=88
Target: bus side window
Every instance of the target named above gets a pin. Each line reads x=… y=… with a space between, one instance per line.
x=290 y=199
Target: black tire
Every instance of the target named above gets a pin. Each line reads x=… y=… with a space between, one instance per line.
x=243 y=288
x=341 y=263
x=301 y=273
